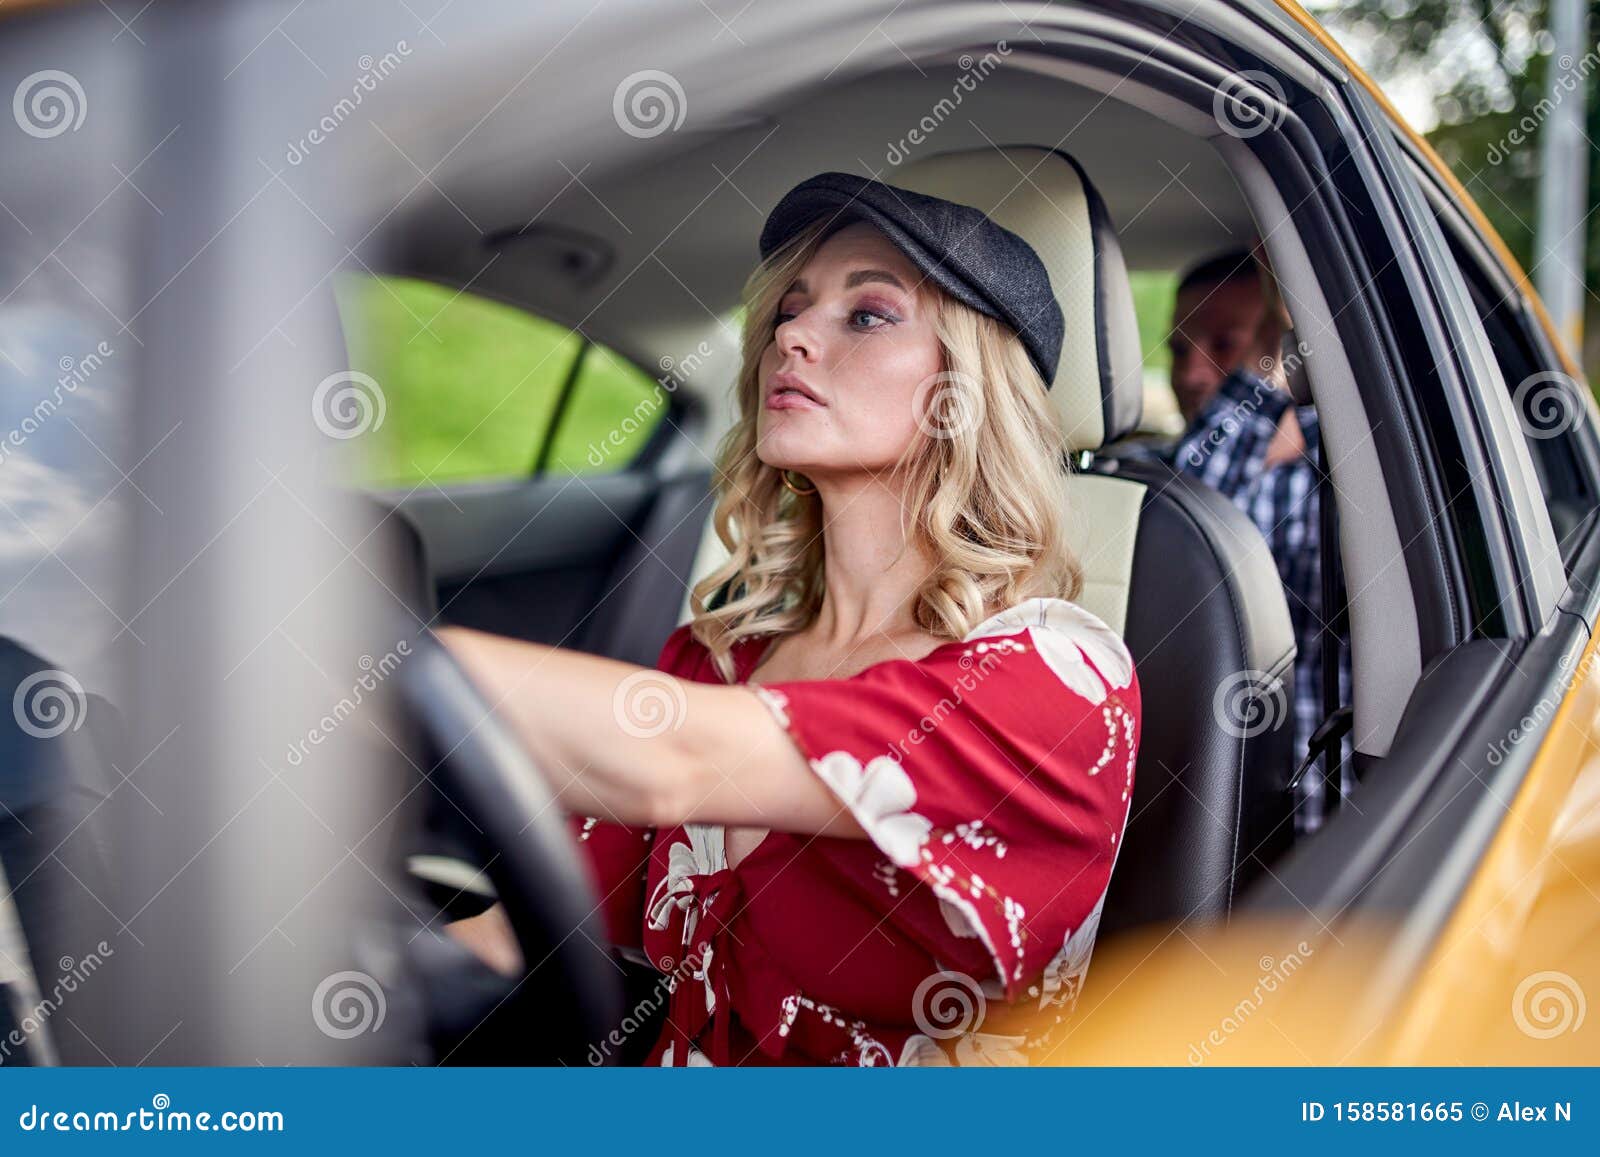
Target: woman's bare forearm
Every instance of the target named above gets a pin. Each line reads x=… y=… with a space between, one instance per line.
x=560 y=705
x=638 y=746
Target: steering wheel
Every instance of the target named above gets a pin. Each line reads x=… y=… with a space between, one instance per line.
x=530 y=856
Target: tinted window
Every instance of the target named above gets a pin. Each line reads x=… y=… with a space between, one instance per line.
x=472 y=389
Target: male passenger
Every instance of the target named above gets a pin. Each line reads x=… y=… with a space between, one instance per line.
x=1246 y=438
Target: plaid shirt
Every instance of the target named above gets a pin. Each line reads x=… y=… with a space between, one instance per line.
x=1226 y=448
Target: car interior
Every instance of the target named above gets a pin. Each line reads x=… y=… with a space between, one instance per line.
x=589 y=560
x=604 y=561
x=636 y=262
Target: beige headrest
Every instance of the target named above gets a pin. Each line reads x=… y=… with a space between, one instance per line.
x=1044 y=197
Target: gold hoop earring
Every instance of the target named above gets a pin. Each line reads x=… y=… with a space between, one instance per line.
x=792 y=488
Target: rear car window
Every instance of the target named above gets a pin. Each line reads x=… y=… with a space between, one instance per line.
x=467 y=389
x=1154 y=292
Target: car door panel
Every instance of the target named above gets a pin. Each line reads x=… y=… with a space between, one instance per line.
x=527 y=558
x=1487 y=752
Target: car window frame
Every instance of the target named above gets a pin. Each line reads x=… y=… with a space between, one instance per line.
x=1489 y=423
x=1581 y=442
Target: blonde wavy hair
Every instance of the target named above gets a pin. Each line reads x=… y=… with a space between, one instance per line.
x=985 y=485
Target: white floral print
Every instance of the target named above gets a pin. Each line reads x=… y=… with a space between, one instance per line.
x=1065 y=635
x=777 y=703
x=697 y=1059
x=1063 y=977
x=956 y=920
x=973 y=1050
x=706 y=852
x=880 y=796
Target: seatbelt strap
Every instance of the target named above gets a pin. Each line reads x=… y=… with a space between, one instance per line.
x=1327 y=741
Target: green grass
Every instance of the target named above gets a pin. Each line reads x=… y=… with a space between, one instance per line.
x=1153 y=297
x=470 y=387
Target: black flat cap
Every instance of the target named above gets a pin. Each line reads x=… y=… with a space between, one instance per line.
x=957 y=246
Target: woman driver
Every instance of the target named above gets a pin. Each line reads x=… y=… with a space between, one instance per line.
x=887 y=773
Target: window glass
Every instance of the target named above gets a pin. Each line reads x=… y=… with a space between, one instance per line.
x=471 y=389
x=1154 y=293
x=613 y=410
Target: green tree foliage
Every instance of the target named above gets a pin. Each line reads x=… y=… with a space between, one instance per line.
x=1488 y=64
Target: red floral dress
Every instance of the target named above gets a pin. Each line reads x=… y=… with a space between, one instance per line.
x=993 y=777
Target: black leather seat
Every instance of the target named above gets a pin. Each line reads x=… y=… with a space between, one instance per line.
x=638 y=611
x=1210 y=635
